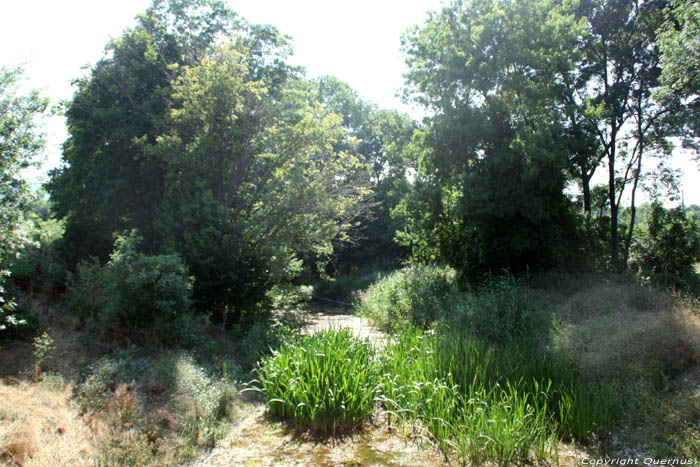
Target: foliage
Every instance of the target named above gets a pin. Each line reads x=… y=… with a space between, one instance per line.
x=326 y=382
x=135 y=293
x=499 y=311
x=456 y=384
x=194 y=130
x=345 y=288
x=160 y=408
x=680 y=51
x=257 y=169
x=496 y=152
x=385 y=144
x=415 y=296
x=670 y=246
x=20 y=142
x=40 y=262
x=263 y=338
x=116 y=113
x=633 y=123
x=202 y=399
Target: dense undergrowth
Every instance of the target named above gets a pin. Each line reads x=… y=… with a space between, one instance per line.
x=504 y=372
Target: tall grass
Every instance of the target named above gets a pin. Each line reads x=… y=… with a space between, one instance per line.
x=482 y=383
x=490 y=402
x=326 y=382
x=477 y=401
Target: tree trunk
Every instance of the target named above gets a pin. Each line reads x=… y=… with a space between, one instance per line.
x=637 y=173
x=614 y=239
x=586 y=183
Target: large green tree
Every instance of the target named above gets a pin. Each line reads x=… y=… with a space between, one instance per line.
x=108 y=181
x=195 y=131
x=252 y=179
x=497 y=146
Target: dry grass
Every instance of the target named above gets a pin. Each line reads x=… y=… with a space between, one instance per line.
x=614 y=331
x=40 y=427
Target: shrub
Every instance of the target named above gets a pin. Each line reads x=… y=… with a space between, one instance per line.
x=326 y=382
x=342 y=287
x=413 y=296
x=134 y=293
x=39 y=260
x=202 y=400
x=146 y=288
x=263 y=338
x=669 y=247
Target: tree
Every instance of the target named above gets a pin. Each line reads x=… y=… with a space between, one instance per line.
x=384 y=139
x=680 y=55
x=108 y=182
x=497 y=146
x=20 y=142
x=616 y=80
x=678 y=40
x=669 y=246
x=251 y=179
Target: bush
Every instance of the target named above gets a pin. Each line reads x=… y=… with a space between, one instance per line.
x=263 y=338
x=343 y=287
x=669 y=247
x=39 y=260
x=202 y=400
x=326 y=382
x=134 y=293
x=413 y=296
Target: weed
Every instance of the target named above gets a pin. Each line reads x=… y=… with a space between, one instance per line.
x=43 y=346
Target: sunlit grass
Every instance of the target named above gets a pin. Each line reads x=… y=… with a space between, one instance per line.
x=326 y=382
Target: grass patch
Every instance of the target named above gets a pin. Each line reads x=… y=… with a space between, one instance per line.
x=490 y=403
x=40 y=427
x=477 y=401
x=326 y=382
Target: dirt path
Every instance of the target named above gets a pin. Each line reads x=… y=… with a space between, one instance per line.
x=257 y=441
x=337 y=318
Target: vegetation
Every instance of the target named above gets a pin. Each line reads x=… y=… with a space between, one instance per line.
x=413 y=296
x=209 y=190
x=327 y=382
x=20 y=142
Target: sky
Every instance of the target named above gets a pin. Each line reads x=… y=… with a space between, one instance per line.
x=357 y=41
